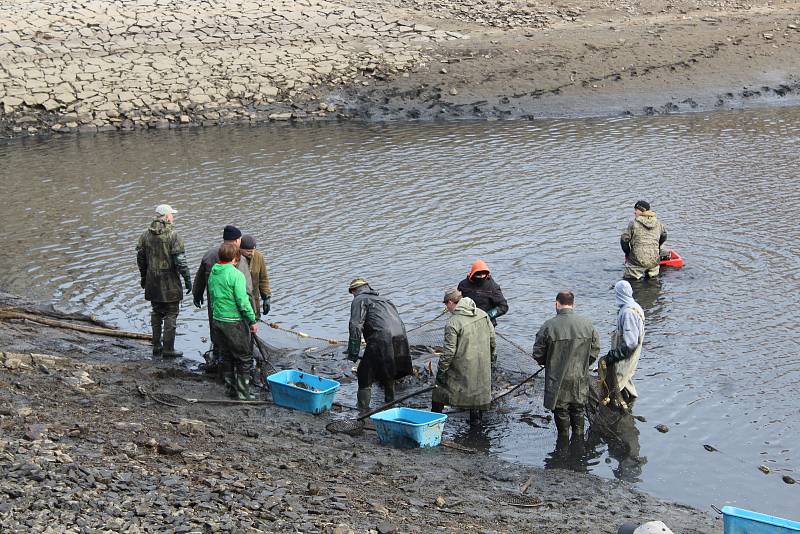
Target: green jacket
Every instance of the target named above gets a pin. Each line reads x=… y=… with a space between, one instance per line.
x=566 y=345
x=642 y=239
x=464 y=378
x=161 y=260
x=228 y=295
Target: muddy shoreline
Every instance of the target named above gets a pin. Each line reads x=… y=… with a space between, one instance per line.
x=81 y=445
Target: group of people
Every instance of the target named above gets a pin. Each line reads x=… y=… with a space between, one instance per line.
x=233 y=278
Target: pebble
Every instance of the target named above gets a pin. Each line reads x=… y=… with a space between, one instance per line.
x=662 y=428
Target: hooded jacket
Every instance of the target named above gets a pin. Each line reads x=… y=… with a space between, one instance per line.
x=210 y=259
x=161 y=260
x=465 y=367
x=486 y=294
x=628 y=337
x=642 y=240
x=566 y=345
x=376 y=319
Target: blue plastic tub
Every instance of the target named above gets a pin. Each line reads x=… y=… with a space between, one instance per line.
x=740 y=521
x=315 y=400
x=409 y=428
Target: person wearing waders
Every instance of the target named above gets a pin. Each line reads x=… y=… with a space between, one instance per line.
x=627 y=341
x=258 y=271
x=161 y=260
x=386 y=357
x=464 y=376
x=484 y=291
x=566 y=346
x=641 y=242
x=234 y=321
x=233 y=236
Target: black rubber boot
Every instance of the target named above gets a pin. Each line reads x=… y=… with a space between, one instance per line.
x=169 y=337
x=388 y=391
x=562 y=420
x=577 y=422
x=437 y=407
x=362 y=399
x=475 y=417
x=229 y=378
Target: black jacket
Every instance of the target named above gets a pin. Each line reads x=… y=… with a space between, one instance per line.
x=376 y=318
x=486 y=294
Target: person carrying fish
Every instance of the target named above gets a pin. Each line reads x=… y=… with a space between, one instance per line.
x=627 y=341
x=387 y=356
x=233 y=321
x=484 y=291
x=641 y=242
x=566 y=345
x=464 y=376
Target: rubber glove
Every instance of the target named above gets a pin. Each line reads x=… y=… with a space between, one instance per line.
x=188 y=283
x=265 y=304
x=492 y=313
x=198 y=301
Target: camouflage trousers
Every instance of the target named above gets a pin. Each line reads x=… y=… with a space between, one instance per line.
x=636 y=272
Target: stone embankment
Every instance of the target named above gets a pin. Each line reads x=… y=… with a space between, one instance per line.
x=88 y=65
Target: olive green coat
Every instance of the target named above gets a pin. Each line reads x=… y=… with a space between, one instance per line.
x=465 y=367
x=160 y=256
x=566 y=345
x=642 y=240
x=260 y=277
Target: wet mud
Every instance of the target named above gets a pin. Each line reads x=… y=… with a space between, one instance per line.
x=84 y=443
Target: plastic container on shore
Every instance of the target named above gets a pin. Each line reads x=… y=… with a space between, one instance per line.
x=409 y=428
x=302 y=391
x=740 y=521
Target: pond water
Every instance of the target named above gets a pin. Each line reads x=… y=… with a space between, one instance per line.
x=409 y=206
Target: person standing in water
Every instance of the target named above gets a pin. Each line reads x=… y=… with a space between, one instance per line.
x=484 y=291
x=641 y=242
x=627 y=341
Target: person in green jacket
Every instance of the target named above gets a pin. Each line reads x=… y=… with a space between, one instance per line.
x=566 y=346
x=233 y=321
x=464 y=376
x=641 y=242
x=161 y=260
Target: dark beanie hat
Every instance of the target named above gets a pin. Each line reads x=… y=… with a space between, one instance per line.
x=230 y=233
x=248 y=242
x=642 y=205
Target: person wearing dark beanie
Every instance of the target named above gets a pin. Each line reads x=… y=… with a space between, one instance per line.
x=231 y=235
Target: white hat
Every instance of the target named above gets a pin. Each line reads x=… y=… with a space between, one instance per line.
x=164 y=209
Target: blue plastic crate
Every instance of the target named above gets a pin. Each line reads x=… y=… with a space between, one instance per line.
x=298 y=398
x=409 y=428
x=740 y=521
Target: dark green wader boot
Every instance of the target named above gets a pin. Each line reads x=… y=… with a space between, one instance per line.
x=243 y=387
x=562 y=420
x=229 y=377
x=362 y=399
x=155 y=324
x=170 y=324
x=388 y=391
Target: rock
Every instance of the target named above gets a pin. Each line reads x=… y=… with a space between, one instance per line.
x=81 y=378
x=191 y=426
x=342 y=529
x=169 y=449
x=35 y=432
x=764 y=469
x=788 y=479
x=440 y=502
x=280 y=116
x=662 y=428
x=453 y=91
x=133 y=427
x=423 y=28
x=386 y=528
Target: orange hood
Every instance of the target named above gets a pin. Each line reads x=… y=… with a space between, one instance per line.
x=478 y=266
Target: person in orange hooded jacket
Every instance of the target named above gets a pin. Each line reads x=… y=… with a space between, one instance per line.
x=484 y=291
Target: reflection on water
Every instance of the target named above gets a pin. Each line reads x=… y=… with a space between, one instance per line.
x=409 y=206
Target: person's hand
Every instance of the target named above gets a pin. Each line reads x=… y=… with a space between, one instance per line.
x=265 y=305
x=254 y=328
x=188 y=284
x=198 y=301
